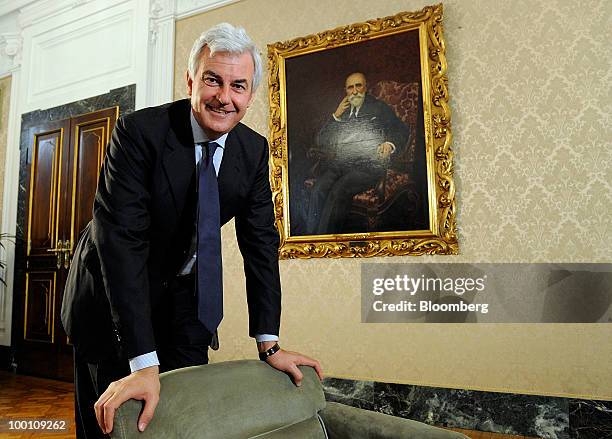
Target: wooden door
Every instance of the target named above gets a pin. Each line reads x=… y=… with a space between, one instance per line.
x=64 y=162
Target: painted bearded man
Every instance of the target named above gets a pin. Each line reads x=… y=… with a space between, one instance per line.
x=362 y=136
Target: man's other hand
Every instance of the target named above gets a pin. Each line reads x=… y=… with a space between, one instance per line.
x=342 y=107
x=142 y=385
x=385 y=150
x=288 y=362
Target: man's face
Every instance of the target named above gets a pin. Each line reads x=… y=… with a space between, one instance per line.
x=221 y=91
x=355 y=87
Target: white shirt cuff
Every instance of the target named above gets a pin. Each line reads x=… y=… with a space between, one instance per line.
x=144 y=360
x=265 y=337
x=150 y=359
x=335 y=118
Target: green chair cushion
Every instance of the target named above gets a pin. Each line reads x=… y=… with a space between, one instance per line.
x=345 y=422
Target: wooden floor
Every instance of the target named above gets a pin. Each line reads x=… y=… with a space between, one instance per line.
x=487 y=435
x=23 y=398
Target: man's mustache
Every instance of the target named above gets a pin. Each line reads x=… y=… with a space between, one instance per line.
x=357 y=99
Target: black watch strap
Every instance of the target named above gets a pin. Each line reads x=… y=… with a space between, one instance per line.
x=263 y=356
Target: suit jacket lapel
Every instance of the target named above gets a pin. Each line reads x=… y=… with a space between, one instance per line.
x=179 y=154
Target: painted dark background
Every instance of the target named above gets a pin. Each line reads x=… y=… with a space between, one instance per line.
x=315 y=87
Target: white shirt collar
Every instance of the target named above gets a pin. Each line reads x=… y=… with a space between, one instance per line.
x=199 y=136
x=355 y=110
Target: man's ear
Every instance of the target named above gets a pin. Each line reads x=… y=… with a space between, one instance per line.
x=189 y=81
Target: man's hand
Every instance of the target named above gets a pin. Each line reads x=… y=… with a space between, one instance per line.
x=385 y=150
x=142 y=385
x=288 y=362
x=342 y=107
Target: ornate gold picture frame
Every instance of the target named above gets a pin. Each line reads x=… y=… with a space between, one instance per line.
x=360 y=154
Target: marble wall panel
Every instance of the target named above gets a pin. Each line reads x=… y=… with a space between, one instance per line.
x=508 y=413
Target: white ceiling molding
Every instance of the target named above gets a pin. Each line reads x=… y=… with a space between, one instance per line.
x=9 y=6
x=187 y=8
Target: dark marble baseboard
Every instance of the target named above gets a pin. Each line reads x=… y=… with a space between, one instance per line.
x=590 y=419
x=528 y=415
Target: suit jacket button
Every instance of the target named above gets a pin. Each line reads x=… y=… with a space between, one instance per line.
x=165 y=284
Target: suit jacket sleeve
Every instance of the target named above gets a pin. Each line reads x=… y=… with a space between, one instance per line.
x=396 y=131
x=258 y=241
x=121 y=222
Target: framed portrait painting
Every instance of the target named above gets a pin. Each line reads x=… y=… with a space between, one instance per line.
x=360 y=153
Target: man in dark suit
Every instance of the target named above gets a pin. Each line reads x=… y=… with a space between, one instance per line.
x=361 y=138
x=140 y=292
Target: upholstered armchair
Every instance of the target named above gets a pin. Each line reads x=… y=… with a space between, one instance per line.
x=249 y=399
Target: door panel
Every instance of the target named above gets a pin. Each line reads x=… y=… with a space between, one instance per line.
x=45 y=160
x=64 y=161
x=88 y=145
x=49 y=143
x=39 y=307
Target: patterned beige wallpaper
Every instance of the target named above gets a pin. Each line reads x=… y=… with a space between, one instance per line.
x=5 y=97
x=531 y=101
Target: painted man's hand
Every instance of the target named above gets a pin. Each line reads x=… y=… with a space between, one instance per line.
x=288 y=362
x=385 y=150
x=142 y=385
x=342 y=107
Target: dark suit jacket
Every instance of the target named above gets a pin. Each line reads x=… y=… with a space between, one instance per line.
x=142 y=226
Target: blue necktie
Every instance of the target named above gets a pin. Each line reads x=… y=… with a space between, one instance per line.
x=210 y=281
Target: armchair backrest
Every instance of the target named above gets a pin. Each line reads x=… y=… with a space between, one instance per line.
x=236 y=399
x=402 y=97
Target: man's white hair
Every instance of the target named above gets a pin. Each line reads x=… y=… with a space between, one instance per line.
x=226 y=38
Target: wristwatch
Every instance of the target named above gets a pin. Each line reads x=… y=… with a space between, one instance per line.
x=263 y=356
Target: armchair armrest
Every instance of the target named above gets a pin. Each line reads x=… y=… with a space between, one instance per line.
x=344 y=422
